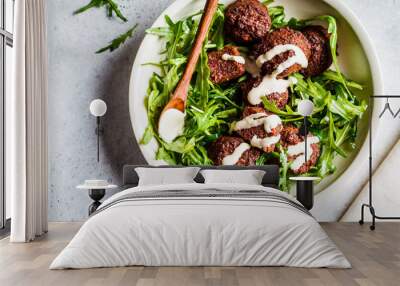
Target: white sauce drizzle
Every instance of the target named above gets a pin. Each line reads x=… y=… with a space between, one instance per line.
x=238 y=59
x=171 y=124
x=270 y=83
x=264 y=142
x=233 y=158
x=253 y=120
x=298 y=150
x=298 y=58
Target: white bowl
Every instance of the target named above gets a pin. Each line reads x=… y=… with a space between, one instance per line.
x=357 y=59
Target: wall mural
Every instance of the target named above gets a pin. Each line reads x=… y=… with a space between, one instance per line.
x=242 y=104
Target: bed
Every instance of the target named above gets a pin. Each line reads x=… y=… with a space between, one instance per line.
x=198 y=224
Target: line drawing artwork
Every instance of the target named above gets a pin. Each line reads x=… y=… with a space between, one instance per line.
x=388 y=108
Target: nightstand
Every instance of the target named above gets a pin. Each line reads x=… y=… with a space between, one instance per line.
x=305 y=190
x=97 y=190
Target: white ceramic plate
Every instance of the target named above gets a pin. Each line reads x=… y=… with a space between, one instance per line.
x=357 y=59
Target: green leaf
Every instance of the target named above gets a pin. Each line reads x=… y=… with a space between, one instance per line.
x=271 y=106
x=283 y=171
x=277 y=14
x=334 y=76
x=347 y=110
x=91 y=4
x=180 y=145
x=117 y=42
x=332 y=30
x=110 y=5
x=325 y=163
x=147 y=136
x=342 y=134
x=113 y=8
x=202 y=78
x=160 y=31
x=163 y=154
x=266 y=157
x=217 y=29
x=267 y=2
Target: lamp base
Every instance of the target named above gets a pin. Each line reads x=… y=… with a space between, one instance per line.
x=305 y=193
x=96 y=195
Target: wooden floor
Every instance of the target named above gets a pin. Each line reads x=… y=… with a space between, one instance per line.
x=375 y=257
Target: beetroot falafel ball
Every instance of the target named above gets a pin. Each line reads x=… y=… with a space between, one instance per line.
x=290 y=136
x=258 y=131
x=310 y=163
x=283 y=36
x=246 y=21
x=279 y=99
x=226 y=145
x=321 y=57
x=221 y=70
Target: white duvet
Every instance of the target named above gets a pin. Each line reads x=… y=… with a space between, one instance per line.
x=200 y=231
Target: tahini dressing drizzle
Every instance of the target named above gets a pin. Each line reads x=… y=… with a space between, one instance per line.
x=233 y=158
x=298 y=150
x=270 y=83
x=270 y=122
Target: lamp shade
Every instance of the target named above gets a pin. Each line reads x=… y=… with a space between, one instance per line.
x=98 y=107
x=305 y=107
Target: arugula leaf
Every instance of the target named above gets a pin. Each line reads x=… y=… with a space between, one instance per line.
x=266 y=157
x=216 y=33
x=325 y=165
x=202 y=78
x=160 y=31
x=267 y=2
x=271 y=106
x=163 y=154
x=110 y=5
x=283 y=171
x=277 y=14
x=147 y=136
x=181 y=145
x=91 y=4
x=333 y=36
x=117 y=42
x=335 y=76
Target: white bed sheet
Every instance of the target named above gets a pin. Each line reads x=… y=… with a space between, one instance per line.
x=200 y=232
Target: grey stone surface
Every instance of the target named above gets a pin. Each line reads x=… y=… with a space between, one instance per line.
x=77 y=75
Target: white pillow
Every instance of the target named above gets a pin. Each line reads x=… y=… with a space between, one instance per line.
x=166 y=176
x=247 y=177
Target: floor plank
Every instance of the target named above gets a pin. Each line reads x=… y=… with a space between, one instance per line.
x=375 y=257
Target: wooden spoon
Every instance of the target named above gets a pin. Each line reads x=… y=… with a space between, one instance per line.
x=179 y=97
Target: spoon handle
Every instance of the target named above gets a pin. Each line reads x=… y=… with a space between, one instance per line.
x=182 y=88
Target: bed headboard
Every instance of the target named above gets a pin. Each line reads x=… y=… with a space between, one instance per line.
x=271 y=178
